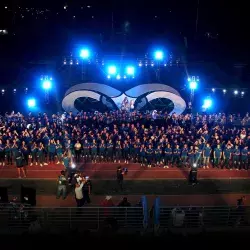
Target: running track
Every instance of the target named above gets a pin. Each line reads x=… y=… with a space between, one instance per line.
x=135 y=172
x=166 y=200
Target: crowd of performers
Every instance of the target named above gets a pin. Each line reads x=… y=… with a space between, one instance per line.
x=130 y=137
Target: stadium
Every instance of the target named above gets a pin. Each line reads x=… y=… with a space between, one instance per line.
x=145 y=139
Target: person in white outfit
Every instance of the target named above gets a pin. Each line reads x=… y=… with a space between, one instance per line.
x=79 y=194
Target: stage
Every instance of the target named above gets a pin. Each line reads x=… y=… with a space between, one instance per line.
x=107 y=171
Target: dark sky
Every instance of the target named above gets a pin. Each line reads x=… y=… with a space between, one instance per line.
x=222 y=26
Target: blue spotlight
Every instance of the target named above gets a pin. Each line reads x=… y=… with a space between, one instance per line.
x=207 y=103
x=158 y=55
x=130 y=70
x=193 y=85
x=84 y=54
x=111 y=70
x=31 y=103
x=47 y=84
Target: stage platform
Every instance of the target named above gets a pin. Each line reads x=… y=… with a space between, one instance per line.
x=107 y=171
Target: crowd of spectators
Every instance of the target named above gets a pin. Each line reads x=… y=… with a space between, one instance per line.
x=159 y=140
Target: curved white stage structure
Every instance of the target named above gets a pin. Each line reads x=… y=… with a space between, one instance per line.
x=99 y=92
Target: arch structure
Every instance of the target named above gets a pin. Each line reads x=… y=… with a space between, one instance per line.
x=136 y=97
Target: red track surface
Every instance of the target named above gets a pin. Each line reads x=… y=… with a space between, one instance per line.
x=166 y=200
x=135 y=172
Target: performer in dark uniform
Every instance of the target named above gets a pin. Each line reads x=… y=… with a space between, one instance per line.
x=168 y=156
x=87 y=186
x=20 y=163
x=8 y=153
x=184 y=155
x=236 y=157
x=198 y=156
x=227 y=156
x=119 y=177
x=244 y=153
x=102 y=151
x=93 y=147
x=110 y=148
x=126 y=149
x=25 y=152
x=191 y=154
x=176 y=156
x=142 y=155
x=206 y=155
x=217 y=156
x=34 y=159
x=150 y=155
x=158 y=155
x=132 y=151
x=86 y=151
x=118 y=152
x=137 y=147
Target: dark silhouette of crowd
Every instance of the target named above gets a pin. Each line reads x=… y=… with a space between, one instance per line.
x=202 y=140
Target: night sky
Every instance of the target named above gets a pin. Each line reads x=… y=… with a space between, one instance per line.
x=221 y=25
x=39 y=30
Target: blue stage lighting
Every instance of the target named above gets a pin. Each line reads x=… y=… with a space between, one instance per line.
x=118 y=77
x=47 y=84
x=112 y=70
x=158 y=55
x=130 y=70
x=207 y=103
x=31 y=103
x=84 y=54
x=193 y=85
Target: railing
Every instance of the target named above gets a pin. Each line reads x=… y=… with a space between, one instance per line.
x=85 y=218
x=16 y=219
x=204 y=217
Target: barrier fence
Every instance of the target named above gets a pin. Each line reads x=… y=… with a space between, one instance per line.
x=204 y=217
x=14 y=217
x=85 y=218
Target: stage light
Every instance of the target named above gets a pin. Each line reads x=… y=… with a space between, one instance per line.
x=46 y=84
x=3 y=91
x=207 y=103
x=73 y=165
x=195 y=165
x=124 y=77
x=130 y=70
x=152 y=64
x=118 y=77
x=236 y=92
x=140 y=64
x=213 y=90
x=193 y=85
x=158 y=55
x=112 y=70
x=242 y=93
x=84 y=54
x=108 y=76
x=224 y=91
x=31 y=103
